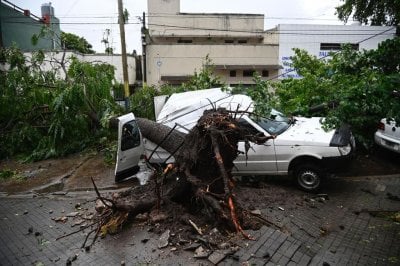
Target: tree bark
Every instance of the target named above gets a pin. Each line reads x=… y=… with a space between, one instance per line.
x=202 y=170
x=157 y=133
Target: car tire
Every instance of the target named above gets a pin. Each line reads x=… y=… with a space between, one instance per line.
x=308 y=177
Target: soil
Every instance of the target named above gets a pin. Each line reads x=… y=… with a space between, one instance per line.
x=71 y=173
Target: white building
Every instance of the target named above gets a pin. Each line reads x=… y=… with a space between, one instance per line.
x=178 y=43
x=53 y=59
x=319 y=40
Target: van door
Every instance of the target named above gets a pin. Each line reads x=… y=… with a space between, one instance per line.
x=130 y=147
x=260 y=159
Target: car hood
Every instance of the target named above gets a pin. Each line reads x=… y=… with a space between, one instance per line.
x=305 y=132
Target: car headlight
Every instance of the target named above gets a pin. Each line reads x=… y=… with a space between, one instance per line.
x=344 y=150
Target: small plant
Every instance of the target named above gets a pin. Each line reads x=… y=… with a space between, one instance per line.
x=8 y=174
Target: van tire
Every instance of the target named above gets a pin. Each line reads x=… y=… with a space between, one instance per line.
x=308 y=177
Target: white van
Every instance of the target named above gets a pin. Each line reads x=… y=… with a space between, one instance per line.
x=302 y=148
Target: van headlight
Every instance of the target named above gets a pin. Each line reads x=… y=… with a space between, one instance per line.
x=344 y=150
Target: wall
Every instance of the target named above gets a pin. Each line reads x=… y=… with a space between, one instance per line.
x=309 y=38
x=19 y=29
x=183 y=60
x=178 y=44
x=115 y=60
x=185 y=24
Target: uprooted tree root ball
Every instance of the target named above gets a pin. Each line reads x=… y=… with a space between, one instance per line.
x=200 y=180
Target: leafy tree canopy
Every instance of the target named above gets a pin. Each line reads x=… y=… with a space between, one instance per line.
x=44 y=115
x=356 y=85
x=71 y=41
x=373 y=12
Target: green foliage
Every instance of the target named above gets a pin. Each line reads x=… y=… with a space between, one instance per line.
x=73 y=42
x=374 y=12
x=204 y=79
x=7 y=174
x=126 y=15
x=357 y=84
x=45 y=32
x=141 y=101
x=295 y=95
x=260 y=93
x=43 y=115
x=110 y=151
x=109 y=50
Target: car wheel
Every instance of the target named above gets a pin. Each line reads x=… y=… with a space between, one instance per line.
x=308 y=177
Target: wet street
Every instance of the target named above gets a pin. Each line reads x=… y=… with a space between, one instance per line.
x=353 y=221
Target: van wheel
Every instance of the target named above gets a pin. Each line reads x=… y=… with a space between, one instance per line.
x=308 y=177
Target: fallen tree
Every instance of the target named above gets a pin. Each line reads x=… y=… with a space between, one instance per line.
x=200 y=180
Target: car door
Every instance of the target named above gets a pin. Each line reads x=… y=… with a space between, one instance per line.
x=260 y=159
x=130 y=147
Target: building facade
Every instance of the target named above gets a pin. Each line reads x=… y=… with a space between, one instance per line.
x=53 y=59
x=320 y=40
x=177 y=44
x=17 y=26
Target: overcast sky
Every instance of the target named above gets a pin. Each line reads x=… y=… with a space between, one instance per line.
x=90 y=18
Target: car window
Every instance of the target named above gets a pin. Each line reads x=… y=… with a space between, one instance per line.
x=247 y=127
x=130 y=136
x=278 y=116
x=273 y=127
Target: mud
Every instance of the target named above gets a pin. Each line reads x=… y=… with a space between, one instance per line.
x=71 y=173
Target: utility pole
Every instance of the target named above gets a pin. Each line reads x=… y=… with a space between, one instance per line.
x=144 y=55
x=121 y=22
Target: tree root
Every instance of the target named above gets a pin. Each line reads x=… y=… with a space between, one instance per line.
x=202 y=174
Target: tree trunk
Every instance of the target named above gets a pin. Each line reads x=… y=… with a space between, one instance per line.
x=157 y=133
x=202 y=171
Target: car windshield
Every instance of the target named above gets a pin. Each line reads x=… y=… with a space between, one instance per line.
x=276 y=124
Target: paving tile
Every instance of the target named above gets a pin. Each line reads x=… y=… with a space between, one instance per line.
x=353 y=239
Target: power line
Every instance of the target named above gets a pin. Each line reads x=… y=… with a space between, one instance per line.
x=70 y=23
x=299 y=32
x=305 y=32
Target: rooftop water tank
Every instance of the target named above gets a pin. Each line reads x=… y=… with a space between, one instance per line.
x=47 y=10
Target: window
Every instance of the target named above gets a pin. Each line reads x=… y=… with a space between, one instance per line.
x=242 y=41
x=265 y=73
x=130 y=136
x=248 y=129
x=228 y=41
x=336 y=46
x=273 y=127
x=355 y=46
x=232 y=73
x=185 y=41
x=248 y=73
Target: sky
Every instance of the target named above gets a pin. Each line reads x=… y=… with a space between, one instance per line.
x=91 y=18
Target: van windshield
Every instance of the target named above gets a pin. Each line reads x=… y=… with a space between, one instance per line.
x=271 y=126
x=276 y=124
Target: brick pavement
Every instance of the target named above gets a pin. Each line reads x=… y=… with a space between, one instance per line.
x=345 y=229
x=20 y=247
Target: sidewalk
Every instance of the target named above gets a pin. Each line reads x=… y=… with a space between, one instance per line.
x=29 y=236
x=350 y=225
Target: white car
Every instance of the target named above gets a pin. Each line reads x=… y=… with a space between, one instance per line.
x=301 y=147
x=388 y=135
